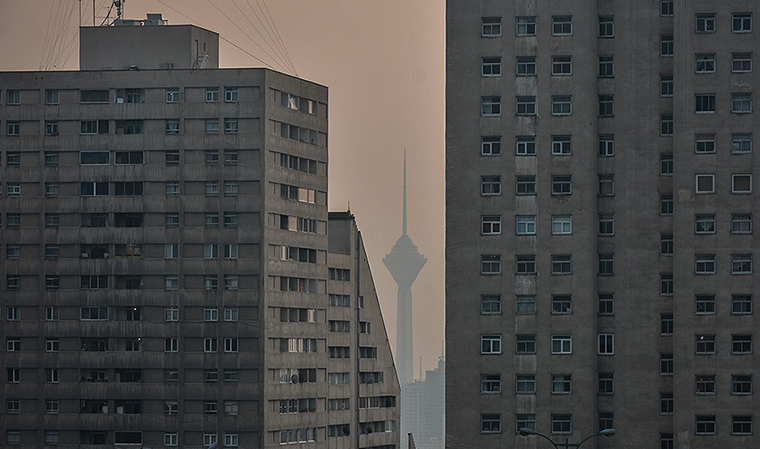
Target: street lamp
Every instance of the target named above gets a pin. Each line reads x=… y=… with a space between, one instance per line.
x=525 y=431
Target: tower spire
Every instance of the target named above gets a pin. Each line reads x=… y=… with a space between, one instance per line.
x=403 y=225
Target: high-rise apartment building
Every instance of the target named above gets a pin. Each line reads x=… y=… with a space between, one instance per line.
x=168 y=278
x=600 y=203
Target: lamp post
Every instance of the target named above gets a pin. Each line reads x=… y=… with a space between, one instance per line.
x=525 y=431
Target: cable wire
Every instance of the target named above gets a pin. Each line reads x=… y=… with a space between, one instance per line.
x=274 y=48
x=277 y=32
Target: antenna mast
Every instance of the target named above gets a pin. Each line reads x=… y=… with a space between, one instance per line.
x=119 y=8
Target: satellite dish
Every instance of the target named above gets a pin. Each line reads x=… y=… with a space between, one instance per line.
x=294 y=378
x=346 y=431
x=213 y=445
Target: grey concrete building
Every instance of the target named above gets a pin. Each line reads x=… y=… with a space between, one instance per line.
x=167 y=275
x=600 y=200
x=423 y=408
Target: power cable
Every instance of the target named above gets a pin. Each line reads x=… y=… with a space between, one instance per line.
x=274 y=48
x=279 y=62
x=277 y=32
x=221 y=37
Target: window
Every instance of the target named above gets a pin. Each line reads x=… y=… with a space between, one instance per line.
x=52 y=375
x=13 y=97
x=606 y=304
x=666 y=45
x=230 y=344
x=525 y=384
x=606 y=421
x=562 y=424
x=93 y=189
x=490 y=185
x=209 y=439
x=704 y=425
x=741 y=62
x=231 y=188
x=231 y=157
x=666 y=204
x=231 y=282
x=230 y=439
x=741 y=183
x=490 y=145
x=562 y=145
x=491 y=106
x=12 y=282
x=52 y=189
x=13 y=344
x=211 y=157
x=128 y=188
x=211 y=282
x=526 y=421
x=231 y=314
x=172 y=157
x=741 y=264
x=741 y=22
x=13 y=437
x=666 y=364
x=562 y=344
x=666 y=403
x=741 y=103
x=704 y=224
x=666 y=244
x=212 y=94
x=562 y=304
x=13 y=189
x=666 y=85
x=233 y=408
x=490 y=224
x=666 y=284
x=606 y=344
x=562 y=384
x=562 y=26
x=230 y=250
x=562 y=264
x=704 y=63
x=212 y=220
x=666 y=124
x=741 y=143
x=704 y=344
x=606 y=383
x=212 y=188
x=606 y=106
x=666 y=10
x=171 y=282
x=171 y=439
x=704 y=183
x=562 y=105
x=606 y=264
x=606 y=145
x=172 y=95
x=525 y=304
x=231 y=125
x=606 y=66
x=741 y=304
x=562 y=185
x=606 y=185
x=172 y=220
x=51 y=128
x=490 y=264
x=231 y=94
x=491 y=66
x=526 y=145
x=525 y=344
x=526 y=185
x=490 y=344
x=606 y=26
x=526 y=105
x=490 y=26
x=52 y=96
x=526 y=26
x=13 y=252
x=562 y=65
x=741 y=385
x=741 y=344
x=525 y=264
x=51 y=252
x=741 y=223
x=212 y=126
x=705 y=23
x=526 y=225
x=562 y=224
x=705 y=103
x=51 y=406
x=490 y=304
x=490 y=423
x=526 y=66
x=704 y=143
x=704 y=264
x=741 y=425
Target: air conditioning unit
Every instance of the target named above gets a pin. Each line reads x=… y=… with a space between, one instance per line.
x=85 y=255
x=119 y=100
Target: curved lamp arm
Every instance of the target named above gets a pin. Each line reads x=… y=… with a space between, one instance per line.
x=605 y=432
x=525 y=431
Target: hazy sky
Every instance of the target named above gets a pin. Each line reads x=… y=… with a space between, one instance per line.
x=383 y=61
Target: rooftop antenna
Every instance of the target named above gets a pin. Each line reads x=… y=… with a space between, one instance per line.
x=119 y=8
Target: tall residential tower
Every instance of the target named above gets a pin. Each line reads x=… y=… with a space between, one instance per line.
x=170 y=273
x=600 y=182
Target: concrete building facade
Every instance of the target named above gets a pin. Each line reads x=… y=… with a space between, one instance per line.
x=600 y=203
x=166 y=276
